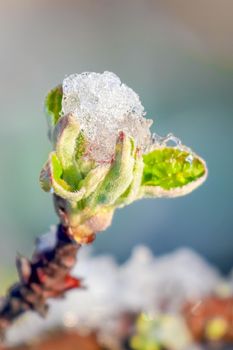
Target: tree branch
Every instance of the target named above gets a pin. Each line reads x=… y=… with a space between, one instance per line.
x=46 y=275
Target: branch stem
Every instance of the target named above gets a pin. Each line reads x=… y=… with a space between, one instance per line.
x=46 y=275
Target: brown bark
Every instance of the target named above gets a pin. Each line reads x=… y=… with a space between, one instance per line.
x=46 y=275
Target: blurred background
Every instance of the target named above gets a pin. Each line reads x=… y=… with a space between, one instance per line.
x=178 y=56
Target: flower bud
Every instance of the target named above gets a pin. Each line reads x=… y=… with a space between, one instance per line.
x=87 y=189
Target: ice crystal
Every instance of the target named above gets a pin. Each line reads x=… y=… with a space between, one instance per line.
x=104 y=107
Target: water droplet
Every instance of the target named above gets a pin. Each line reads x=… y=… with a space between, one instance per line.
x=189 y=158
x=169 y=140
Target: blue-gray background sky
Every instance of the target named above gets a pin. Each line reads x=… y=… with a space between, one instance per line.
x=177 y=55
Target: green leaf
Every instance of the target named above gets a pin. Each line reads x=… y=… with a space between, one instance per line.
x=57 y=173
x=81 y=144
x=52 y=178
x=171 y=168
x=60 y=186
x=53 y=104
x=131 y=193
x=65 y=137
x=119 y=176
x=83 y=164
x=94 y=178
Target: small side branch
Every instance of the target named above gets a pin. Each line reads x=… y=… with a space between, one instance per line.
x=46 y=275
